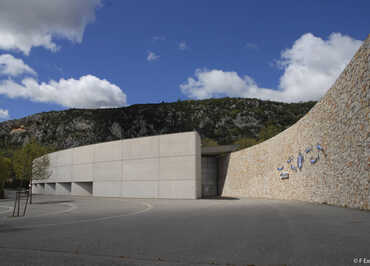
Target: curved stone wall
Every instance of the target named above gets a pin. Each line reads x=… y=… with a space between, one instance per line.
x=340 y=124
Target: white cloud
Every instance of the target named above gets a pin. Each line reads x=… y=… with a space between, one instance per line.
x=183 y=46
x=12 y=66
x=86 y=92
x=310 y=67
x=4 y=114
x=215 y=83
x=159 y=38
x=152 y=56
x=31 y=23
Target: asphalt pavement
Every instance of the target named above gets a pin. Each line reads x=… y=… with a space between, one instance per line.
x=66 y=230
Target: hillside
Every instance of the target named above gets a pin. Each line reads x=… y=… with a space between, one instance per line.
x=224 y=121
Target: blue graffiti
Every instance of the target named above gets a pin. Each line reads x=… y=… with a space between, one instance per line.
x=318 y=146
x=314 y=160
x=284 y=175
x=300 y=160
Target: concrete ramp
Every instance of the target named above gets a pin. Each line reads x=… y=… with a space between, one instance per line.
x=334 y=172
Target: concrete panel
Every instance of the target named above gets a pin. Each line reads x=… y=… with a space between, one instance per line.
x=53 y=159
x=178 y=144
x=54 y=173
x=64 y=157
x=198 y=188
x=37 y=189
x=198 y=177
x=141 y=169
x=165 y=190
x=198 y=144
x=107 y=189
x=50 y=188
x=82 y=188
x=183 y=167
x=141 y=189
x=136 y=163
x=63 y=188
x=42 y=188
x=83 y=155
x=198 y=166
x=64 y=173
x=107 y=171
x=185 y=189
x=108 y=151
x=146 y=147
x=82 y=172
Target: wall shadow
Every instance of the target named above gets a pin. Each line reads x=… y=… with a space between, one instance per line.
x=223 y=166
x=219 y=198
x=52 y=202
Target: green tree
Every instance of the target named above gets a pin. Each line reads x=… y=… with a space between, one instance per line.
x=5 y=172
x=25 y=165
x=268 y=132
x=40 y=168
x=207 y=142
x=245 y=142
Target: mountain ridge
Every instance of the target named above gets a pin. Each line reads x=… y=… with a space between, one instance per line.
x=222 y=120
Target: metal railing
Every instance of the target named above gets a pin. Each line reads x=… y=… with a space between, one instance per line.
x=17 y=203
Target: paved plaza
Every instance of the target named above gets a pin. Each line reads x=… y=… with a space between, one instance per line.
x=66 y=230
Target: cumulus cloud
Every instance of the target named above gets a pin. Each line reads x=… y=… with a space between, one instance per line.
x=310 y=67
x=183 y=45
x=152 y=56
x=216 y=83
x=4 y=114
x=11 y=66
x=86 y=92
x=31 y=23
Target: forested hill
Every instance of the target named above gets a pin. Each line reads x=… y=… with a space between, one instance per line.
x=221 y=121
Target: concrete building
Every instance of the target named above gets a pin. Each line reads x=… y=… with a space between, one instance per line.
x=165 y=166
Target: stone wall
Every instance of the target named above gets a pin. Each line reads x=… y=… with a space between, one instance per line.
x=340 y=124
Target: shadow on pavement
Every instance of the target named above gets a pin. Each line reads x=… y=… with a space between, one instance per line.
x=219 y=198
x=52 y=202
x=10 y=229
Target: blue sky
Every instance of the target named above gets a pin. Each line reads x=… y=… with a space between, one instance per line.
x=96 y=54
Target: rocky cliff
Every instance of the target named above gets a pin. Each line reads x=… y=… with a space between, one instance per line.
x=222 y=120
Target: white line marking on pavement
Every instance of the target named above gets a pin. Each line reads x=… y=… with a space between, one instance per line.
x=71 y=208
x=70 y=205
x=148 y=208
